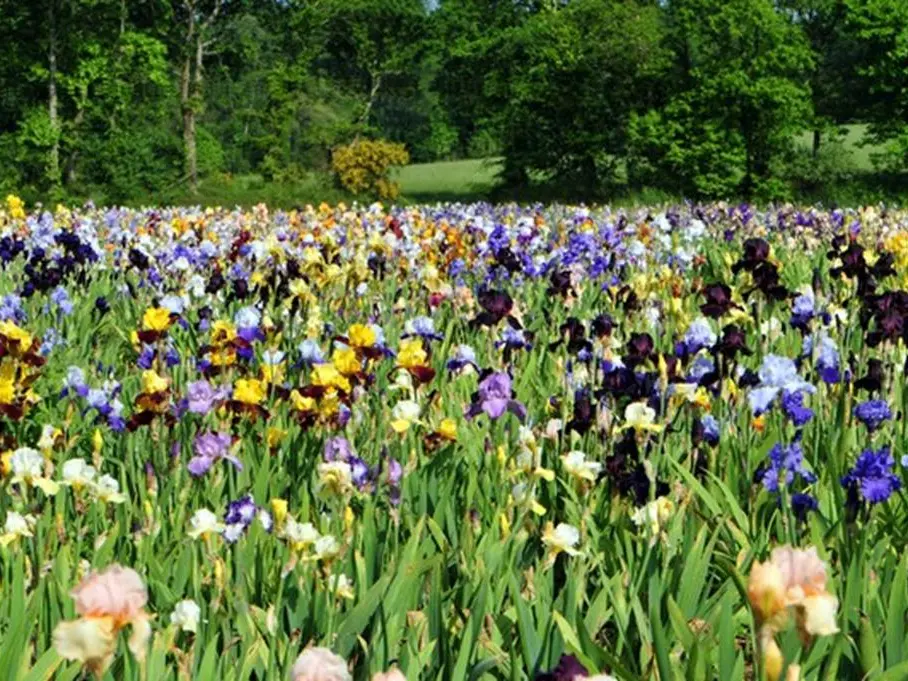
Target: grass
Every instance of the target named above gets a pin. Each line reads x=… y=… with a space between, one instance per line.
x=858 y=151
x=449 y=180
x=252 y=189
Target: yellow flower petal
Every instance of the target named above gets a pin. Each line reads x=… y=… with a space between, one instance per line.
x=820 y=612
x=138 y=639
x=88 y=640
x=545 y=473
x=49 y=487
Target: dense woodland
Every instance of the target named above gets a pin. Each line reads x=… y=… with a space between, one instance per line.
x=126 y=100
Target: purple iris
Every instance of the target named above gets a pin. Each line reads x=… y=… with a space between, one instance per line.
x=239 y=516
x=793 y=405
x=710 y=428
x=423 y=327
x=146 y=357
x=513 y=339
x=873 y=413
x=242 y=511
x=495 y=397
x=872 y=476
x=777 y=374
x=463 y=356
x=209 y=447
x=803 y=310
x=202 y=397
x=802 y=504
x=338 y=449
x=395 y=472
x=360 y=472
x=828 y=361
x=786 y=462
x=699 y=335
x=75 y=382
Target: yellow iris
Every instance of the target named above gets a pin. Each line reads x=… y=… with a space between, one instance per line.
x=302 y=403
x=156 y=319
x=327 y=375
x=222 y=332
x=7 y=390
x=16 y=335
x=361 y=336
x=15 y=206
x=249 y=391
x=448 y=429
x=346 y=361
x=152 y=382
x=411 y=354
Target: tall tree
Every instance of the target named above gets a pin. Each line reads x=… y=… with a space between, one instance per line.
x=738 y=96
x=881 y=26
x=371 y=41
x=837 y=94
x=571 y=78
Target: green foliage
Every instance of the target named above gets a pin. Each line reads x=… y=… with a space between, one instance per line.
x=581 y=98
x=739 y=99
x=572 y=80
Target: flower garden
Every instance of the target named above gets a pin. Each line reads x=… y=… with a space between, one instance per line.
x=482 y=442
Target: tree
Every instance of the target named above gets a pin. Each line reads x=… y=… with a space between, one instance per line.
x=881 y=27
x=197 y=18
x=837 y=93
x=371 y=41
x=738 y=96
x=467 y=37
x=571 y=79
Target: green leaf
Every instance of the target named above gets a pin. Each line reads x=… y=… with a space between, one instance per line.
x=661 y=647
x=45 y=667
x=869 y=647
x=897 y=673
x=356 y=621
x=895 y=618
x=208 y=668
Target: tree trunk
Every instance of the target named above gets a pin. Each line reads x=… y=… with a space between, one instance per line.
x=188 y=109
x=373 y=95
x=74 y=154
x=816 y=142
x=53 y=162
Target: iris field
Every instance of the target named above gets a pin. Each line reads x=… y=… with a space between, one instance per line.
x=453 y=441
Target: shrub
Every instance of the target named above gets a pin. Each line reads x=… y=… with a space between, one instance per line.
x=364 y=166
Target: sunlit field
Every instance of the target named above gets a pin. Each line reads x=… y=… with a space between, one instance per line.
x=453 y=441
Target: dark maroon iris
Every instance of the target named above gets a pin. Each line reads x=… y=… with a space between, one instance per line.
x=639 y=349
x=567 y=669
x=718 y=300
x=766 y=279
x=873 y=380
x=496 y=305
x=733 y=341
x=756 y=251
x=602 y=326
x=584 y=411
x=560 y=283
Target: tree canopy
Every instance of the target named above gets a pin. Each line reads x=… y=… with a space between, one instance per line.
x=122 y=99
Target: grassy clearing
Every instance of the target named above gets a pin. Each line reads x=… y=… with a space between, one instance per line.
x=449 y=180
x=858 y=149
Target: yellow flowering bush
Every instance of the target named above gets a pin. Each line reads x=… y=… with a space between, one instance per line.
x=364 y=166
